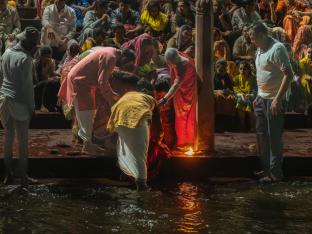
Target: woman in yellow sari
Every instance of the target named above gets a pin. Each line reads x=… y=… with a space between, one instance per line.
x=153 y=18
x=305 y=65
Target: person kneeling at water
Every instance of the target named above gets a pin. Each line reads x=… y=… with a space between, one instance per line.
x=130 y=118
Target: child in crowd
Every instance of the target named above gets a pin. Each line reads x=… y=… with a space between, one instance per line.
x=245 y=89
x=46 y=81
x=96 y=40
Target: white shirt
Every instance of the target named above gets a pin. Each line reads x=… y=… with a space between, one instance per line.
x=271 y=65
x=63 y=22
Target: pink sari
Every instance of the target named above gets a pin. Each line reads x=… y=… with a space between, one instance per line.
x=184 y=102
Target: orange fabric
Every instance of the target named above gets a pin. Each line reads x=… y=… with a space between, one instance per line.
x=291 y=25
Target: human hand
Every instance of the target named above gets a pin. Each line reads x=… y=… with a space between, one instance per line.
x=275 y=107
x=11 y=37
x=104 y=17
x=162 y=101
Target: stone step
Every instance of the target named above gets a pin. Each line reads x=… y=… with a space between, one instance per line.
x=31 y=22
x=27 y=12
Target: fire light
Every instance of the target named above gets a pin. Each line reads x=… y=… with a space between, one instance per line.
x=190 y=152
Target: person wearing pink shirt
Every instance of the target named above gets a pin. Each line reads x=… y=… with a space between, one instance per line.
x=88 y=87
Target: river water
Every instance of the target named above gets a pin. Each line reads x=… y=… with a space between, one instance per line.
x=227 y=207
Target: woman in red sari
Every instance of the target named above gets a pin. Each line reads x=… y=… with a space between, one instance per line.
x=183 y=91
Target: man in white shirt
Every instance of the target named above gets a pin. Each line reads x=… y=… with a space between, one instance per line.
x=59 y=25
x=274 y=74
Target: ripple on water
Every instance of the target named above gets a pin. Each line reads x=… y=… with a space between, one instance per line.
x=179 y=208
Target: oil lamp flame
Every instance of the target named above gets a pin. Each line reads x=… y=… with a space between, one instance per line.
x=190 y=152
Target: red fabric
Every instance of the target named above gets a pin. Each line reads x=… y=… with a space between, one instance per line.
x=136 y=45
x=184 y=101
x=157 y=151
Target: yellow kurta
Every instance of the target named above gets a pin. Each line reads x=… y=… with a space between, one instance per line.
x=306 y=73
x=157 y=24
x=130 y=110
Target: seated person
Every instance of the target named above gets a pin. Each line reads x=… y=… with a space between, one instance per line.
x=96 y=18
x=118 y=37
x=47 y=82
x=243 y=48
x=245 y=14
x=245 y=89
x=220 y=47
x=153 y=17
x=81 y=7
x=128 y=17
x=183 y=16
x=182 y=40
x=303 y=37
x=96 y=40
x=223 y=90
x=10 y=25
x=267 y=11
x=59 y=26
x=306 y=76
x=289 y=13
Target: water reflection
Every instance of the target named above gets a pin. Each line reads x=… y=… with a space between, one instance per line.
x=188 y=203
x=175 y=208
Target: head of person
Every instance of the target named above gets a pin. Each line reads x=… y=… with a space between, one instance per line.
x=147 y=50
x=124 y=81
x=289 y=2
x=145 y=86
x=29 y=39
x=124 y=6
x=185 y=34
x=101 y=7
x=216 y=6
x=119 y=31
x=60 y=4
x=221 y=67
x=172 y=57
x=258 y=34
x=309 y=51
x=73 y=48
x=99 y=35
x=153 y=8
x=249 y=6
x=45 y=54
x=246 y=34
x=162 y=86
x=3 y=4
x=183 y=7
x=244 y=68
x=126 y=60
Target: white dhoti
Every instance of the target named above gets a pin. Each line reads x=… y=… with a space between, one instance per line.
x=132 y=149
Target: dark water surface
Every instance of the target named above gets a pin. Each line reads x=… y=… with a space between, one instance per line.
x=240 y=207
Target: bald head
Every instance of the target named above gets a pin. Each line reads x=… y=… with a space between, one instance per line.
x=172 y=56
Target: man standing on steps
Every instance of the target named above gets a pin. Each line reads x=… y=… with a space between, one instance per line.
x=274 y=74
x=17 y=103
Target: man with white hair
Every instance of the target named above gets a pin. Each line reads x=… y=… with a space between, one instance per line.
x=183 y=91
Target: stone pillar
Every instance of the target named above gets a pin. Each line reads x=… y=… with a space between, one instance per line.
x=205 y=71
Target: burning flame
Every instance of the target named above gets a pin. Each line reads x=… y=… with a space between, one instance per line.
x=190 y=152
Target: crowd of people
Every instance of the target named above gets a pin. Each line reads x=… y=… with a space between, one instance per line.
x=126 y=69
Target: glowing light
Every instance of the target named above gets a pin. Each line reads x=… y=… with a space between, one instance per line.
x=190 y=152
